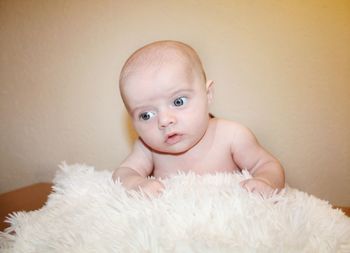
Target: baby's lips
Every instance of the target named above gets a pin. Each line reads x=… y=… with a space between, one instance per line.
x=173 y=138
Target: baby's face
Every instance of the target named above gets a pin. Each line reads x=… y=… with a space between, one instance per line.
x=168 y=105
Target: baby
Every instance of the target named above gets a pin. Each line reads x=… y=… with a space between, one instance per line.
x=166 y=92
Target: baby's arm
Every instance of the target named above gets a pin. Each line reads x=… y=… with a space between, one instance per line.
x=133 y=172
x=267 y=172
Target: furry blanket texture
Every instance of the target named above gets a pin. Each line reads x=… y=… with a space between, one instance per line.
x=88 y=212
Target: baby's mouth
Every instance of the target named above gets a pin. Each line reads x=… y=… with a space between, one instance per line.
x=173 y=138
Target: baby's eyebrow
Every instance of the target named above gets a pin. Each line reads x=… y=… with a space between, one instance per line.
x=180 y=91
x=138 y=108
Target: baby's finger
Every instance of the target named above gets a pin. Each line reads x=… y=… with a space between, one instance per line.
x=248 y=185
x=154 y=188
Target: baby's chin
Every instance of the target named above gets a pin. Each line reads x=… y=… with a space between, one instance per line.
x=171 y=150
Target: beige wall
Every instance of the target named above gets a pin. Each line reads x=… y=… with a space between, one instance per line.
x=281 y=67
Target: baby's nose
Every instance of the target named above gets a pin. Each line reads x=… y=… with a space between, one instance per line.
x=166 y=119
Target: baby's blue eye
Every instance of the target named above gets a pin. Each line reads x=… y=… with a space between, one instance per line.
x=180 y=101
x=146 y=115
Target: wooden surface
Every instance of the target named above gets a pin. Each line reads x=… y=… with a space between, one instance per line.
x=346 y=210
x=33 y=197
x=28 y=198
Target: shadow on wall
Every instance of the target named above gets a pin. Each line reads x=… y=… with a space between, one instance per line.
x=130 y=131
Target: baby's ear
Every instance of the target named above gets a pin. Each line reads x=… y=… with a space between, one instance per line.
x=210 y=90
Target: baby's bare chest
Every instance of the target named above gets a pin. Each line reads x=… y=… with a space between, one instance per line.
x=213 y=159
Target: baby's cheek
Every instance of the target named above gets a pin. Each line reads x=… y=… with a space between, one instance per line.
x=151 y=138
x=143 y=130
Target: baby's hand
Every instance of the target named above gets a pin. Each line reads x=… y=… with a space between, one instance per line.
x=259 y=186
x=151 y=187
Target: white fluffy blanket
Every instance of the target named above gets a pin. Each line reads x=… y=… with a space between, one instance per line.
x=87 y=212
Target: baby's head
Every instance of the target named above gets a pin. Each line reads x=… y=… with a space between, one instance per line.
x=164 y=88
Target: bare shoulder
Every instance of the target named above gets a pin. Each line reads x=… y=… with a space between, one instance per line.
x=139 y=159
x=242 y=142
x=140 y=146
x=233 y=131
x=230 y=127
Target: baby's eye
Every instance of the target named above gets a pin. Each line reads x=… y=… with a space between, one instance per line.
x=180 y=101
x=146 y=115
